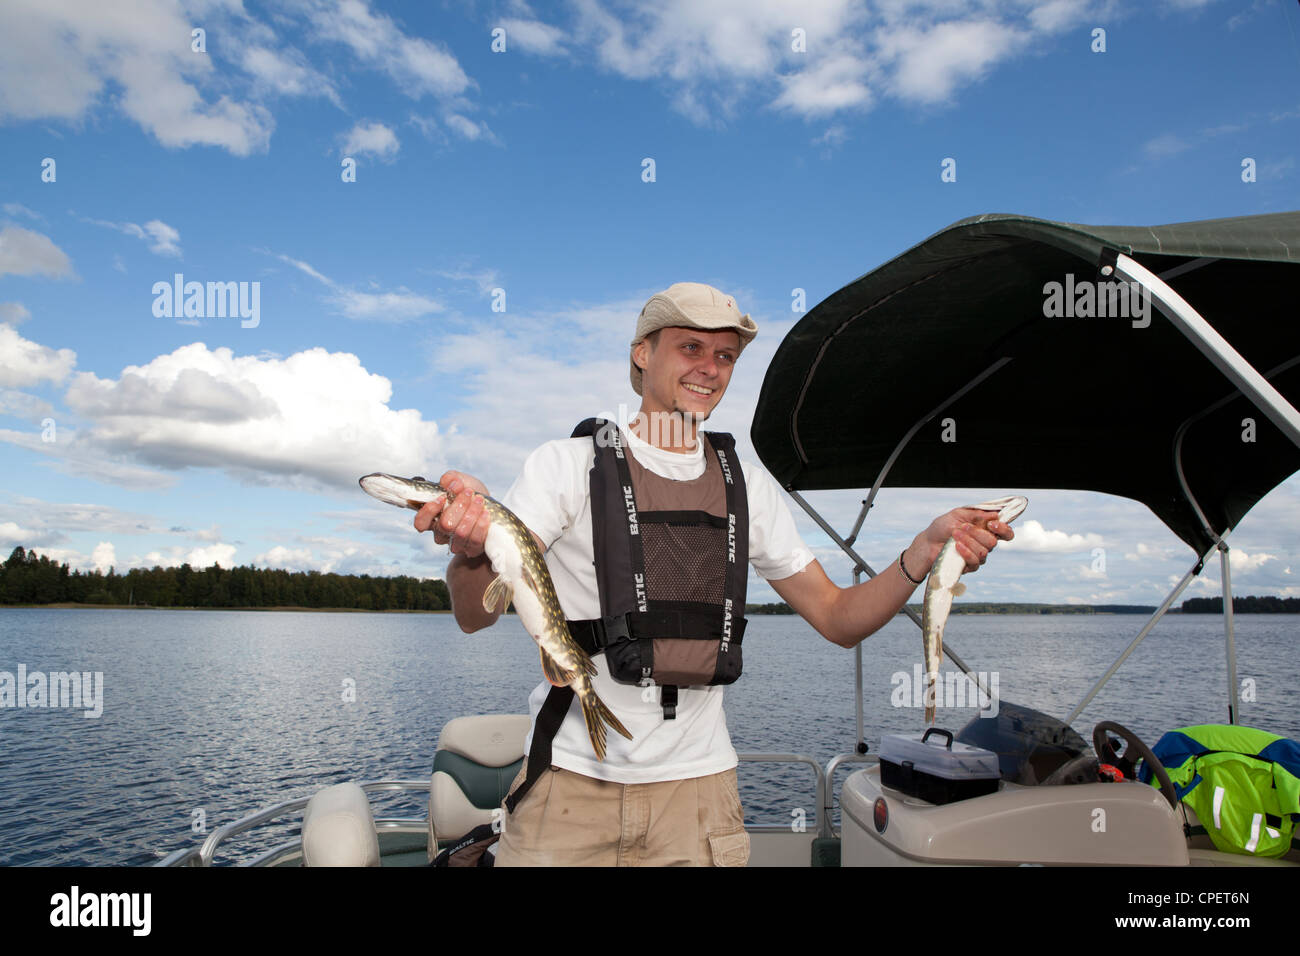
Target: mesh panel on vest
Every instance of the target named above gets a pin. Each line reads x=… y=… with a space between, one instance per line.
x=682 y=563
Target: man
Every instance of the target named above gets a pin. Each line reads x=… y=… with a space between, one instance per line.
x=668 y=796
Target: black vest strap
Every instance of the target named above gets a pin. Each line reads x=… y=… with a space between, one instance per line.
x=669 y=701
x=549 y=719
x=593 y=635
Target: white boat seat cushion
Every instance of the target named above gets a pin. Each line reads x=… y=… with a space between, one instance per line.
x=338 y=828
x=476 y=761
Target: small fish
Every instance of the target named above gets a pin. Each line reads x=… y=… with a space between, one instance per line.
x=522 y=577
x=943 y=585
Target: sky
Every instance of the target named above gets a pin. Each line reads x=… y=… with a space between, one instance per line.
x=444 y=219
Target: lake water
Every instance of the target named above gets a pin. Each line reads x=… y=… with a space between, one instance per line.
x=229 y=712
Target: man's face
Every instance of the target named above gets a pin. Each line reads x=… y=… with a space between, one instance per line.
x=686 y=370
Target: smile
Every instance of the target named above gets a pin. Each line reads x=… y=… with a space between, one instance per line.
x=697 y=389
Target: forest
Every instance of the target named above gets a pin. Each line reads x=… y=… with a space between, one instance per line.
x=1266 y=604
x=26 y=578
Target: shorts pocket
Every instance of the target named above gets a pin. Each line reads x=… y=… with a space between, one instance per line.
x=729 y=848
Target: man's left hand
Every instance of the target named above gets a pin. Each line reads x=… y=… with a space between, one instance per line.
x=975 y=532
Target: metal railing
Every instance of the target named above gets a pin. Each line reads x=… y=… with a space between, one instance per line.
x=204 y=855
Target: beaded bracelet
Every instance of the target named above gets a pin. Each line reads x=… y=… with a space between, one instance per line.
x=903 y=569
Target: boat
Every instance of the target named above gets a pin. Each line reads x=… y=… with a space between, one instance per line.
x=1112 y=359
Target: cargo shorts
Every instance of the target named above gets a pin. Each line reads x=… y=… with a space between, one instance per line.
x=570 y=819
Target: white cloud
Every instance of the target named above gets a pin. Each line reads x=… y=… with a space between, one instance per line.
x=373 y=138
x=48 y=517
x=18 y=209
x=27 y=253
x=162 y=238
x=1146 y=552
x=835 y=135
x=715 y=55
x=396 y=306
x=57 y=59
x=485 y=279
x=833 y=84
x=25 y=406
x=222 y=554
x=1239 y=561
x=75 y=458
x=928 y=64
x=310 y=420
x=104 y=556
x=534 y=36
x=467 y=127
x=13 y=535
x=24 y=363
x=427 y=125
x=286 y=73
x=332 y=555
x=1032 y=536
x=294 y=559
x=418 y=66
x=202 y=557
x=13 y=313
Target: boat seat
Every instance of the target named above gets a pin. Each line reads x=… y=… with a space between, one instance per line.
x=338 y=828
x=475 y=763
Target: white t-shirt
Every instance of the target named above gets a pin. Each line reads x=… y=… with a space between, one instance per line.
x=552 y=496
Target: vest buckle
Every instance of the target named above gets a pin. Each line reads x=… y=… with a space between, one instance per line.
x=612 y=630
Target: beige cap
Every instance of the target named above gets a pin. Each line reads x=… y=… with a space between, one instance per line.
x=691 y=305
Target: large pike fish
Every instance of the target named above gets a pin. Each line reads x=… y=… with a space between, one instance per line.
x=943 y=585
x=522 y=577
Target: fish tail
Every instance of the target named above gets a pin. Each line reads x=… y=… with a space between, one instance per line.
x=597 y=715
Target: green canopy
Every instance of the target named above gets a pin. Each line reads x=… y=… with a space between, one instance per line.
x=1075 y=399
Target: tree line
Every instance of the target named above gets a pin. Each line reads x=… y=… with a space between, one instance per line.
x=1243 y=605
x=26 y=578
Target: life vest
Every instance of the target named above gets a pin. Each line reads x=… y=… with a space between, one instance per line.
x=1243 y=783
x=672 y=565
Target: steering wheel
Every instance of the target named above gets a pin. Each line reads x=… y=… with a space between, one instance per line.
x=1106 y=754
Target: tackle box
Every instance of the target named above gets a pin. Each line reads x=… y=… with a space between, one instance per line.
x=937 y=770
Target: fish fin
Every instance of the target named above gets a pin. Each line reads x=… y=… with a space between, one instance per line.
x=557 y=675
x=958 y=589
x=496 y=591
x=531 y=581
x=597 y=715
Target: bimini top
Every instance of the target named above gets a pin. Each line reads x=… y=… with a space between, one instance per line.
x=1067 y=384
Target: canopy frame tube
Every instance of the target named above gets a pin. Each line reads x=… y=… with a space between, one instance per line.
x=1213 y=346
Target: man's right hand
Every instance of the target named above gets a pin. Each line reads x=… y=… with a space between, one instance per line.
x=464 y=523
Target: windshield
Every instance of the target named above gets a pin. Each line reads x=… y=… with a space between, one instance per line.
x=1029 y=744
